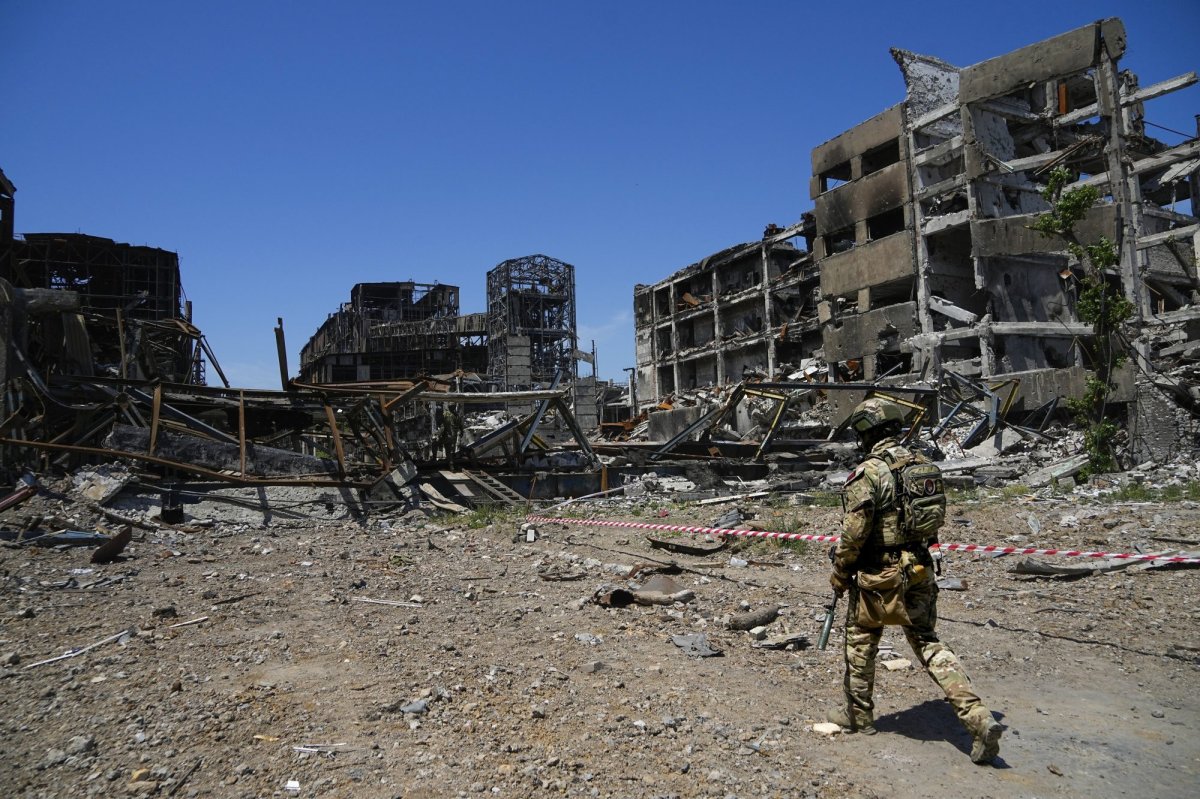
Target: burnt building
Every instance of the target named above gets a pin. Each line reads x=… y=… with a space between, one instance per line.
x=395 y=330
x=747 y=310
x=121 y=312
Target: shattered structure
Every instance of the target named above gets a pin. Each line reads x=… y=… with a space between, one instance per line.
x=395 y=330
x=742 y=312
x=531 y=322
x=923 y=244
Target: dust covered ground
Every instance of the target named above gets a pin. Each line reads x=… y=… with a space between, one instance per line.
x=497 y=676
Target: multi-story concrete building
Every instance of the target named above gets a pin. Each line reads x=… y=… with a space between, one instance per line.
x=923 y=213
x=749 y=309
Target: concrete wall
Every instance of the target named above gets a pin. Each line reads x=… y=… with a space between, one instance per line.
x=1013 y=236
x=880 y=261
x=862 y=334
x=1066 y=54
x=863 y=198
x=879 y=129
x=665 y=425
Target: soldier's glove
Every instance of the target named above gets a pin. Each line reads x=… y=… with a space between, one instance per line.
x=839 y=581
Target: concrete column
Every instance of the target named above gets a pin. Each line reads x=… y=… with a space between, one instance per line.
x=1125 y=188
x=768 y=307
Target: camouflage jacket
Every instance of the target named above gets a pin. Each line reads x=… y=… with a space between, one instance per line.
x=870 y=507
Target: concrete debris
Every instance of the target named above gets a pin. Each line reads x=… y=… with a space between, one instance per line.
x=696 y=645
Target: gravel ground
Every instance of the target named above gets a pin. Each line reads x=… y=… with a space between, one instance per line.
x=495 y=675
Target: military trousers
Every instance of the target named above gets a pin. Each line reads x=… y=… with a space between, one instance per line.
x=938 y=660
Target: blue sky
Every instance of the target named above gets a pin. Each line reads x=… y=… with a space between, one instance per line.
x=287 y=150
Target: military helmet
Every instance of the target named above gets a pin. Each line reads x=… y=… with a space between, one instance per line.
x=875 y=412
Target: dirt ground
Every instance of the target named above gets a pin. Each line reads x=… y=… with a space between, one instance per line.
x=497 y=676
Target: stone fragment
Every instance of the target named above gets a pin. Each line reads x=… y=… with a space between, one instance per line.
x=80 y=745
x=53 y=757
x=897 y=664
x=826 y=728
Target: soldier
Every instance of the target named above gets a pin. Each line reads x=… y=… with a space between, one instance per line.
x=883 y=560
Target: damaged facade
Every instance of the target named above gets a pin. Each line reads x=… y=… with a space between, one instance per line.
x=923 y=242
x=395 y=330
x=746 y=311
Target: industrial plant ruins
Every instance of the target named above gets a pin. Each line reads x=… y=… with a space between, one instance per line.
x=443 y=558
x=918 y=273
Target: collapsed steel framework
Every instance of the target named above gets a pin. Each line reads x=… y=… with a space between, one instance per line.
x=531 y=321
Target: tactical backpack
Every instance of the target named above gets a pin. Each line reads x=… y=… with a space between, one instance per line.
x=920 y=496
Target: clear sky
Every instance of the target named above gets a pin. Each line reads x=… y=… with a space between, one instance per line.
x=287 y=150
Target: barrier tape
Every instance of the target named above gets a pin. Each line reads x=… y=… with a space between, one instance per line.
x=998 y=550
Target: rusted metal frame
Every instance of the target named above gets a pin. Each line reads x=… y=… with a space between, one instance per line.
x=337 y=439
x=367 y=439
x=543 y=406
x=315 y=482
x=710 y=421
x=121 y=340
x=128 y=407
x=155 y=414
x=281 y=351
x=493 y=398
x=574 y=427
x=990 y=418
x=389 y=430
x=404 y=396
x=1014 y=383
x=358 y=389
x=241 y=433
x=189 y=421
x=377 y=429
x=780 y=409
x=212 y=359
x=28 y=488
x=730 y=405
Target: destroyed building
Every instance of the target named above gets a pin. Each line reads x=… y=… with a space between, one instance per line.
x=86 y=305
x=741 y=312
x=923 y=245
x=392 y=331
x=405 y=330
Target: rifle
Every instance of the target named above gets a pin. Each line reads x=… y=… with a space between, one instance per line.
x=823 y=641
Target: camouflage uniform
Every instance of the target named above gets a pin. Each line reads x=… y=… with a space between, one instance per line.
x=871 y=503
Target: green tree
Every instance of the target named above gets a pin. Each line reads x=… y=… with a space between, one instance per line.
x=1099 y=305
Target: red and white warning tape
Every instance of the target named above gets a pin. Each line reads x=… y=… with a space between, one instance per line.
x=998 y=550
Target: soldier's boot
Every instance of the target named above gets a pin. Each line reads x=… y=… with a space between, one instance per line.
x=985 y=734
x=860 y=722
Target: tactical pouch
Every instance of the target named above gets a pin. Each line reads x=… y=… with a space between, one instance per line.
x=881 y=598
x=914 y=571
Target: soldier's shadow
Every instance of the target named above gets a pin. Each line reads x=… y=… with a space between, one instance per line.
x=932 y=720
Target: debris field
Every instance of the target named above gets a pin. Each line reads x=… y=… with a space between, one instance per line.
x=262 y=644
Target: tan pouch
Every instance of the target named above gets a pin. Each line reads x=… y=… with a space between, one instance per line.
x=881 y=598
